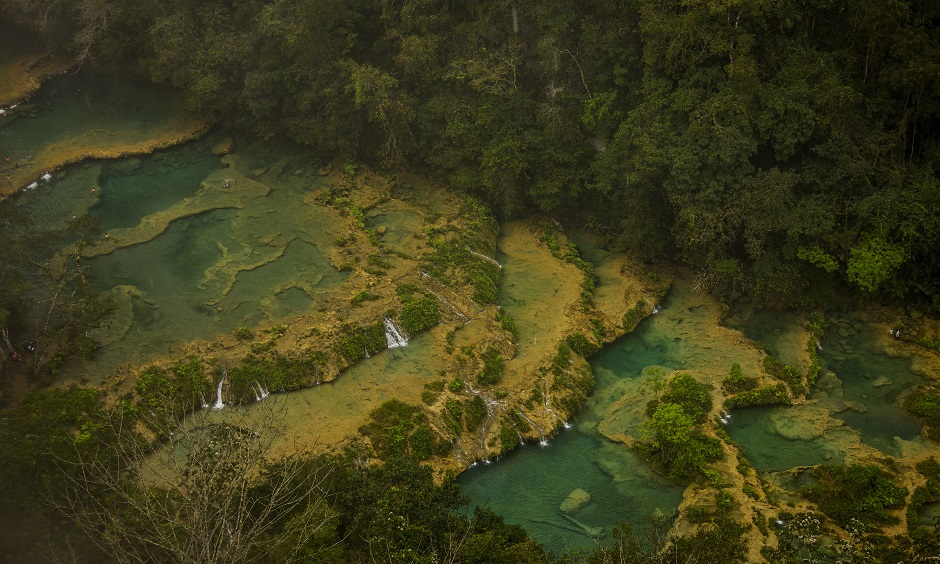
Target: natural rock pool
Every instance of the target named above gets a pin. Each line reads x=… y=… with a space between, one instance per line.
x=198 y=241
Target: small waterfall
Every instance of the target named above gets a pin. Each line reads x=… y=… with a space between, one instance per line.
x=394 y=337
x=218 y=395
x=202 y=401
x=515 y=20
x=365 y=350
x=725 y=417
x=484 y=257
x=260 y=392
x=542 y=440
x=548 y=407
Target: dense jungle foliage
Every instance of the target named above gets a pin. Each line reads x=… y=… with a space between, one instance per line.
x=786 y=149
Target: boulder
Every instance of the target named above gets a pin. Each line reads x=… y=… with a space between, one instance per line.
x=576 y=500
x=881 y=381
x=223 y=147
x=381 y=229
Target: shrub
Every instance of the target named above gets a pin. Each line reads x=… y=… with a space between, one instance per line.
x=492 y=367
x=581 y=345
x=355 y=342
x=736 y=381
x=363 y=296
x=419 y=315
x=167 y=396
x=689 y=393
x=767 y=395
x=243 y=334
x=475 y=413
x=925 y=402
x=788 y=374
x=858 y=492
x=398 y=429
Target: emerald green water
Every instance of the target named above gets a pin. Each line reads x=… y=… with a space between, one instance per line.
x=753 y=429
x=852 y=394
x=859 y=363
x=527 y=486
x=206 y=274
x=136 y=187
x=89 y=107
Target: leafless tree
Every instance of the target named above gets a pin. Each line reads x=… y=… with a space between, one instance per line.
x=211 y=495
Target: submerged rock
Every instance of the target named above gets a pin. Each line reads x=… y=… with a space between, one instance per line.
x=881 y=381
x=575 y=501
x=223 y=147
x=802 y=423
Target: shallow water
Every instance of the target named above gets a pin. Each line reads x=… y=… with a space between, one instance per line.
x=753 y=430
x=135 y=187
x=208 y=273
x=853 y=353
x=84 y=113
x=528 y=485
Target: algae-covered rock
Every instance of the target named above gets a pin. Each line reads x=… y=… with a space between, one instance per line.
x=881 y=381
x=223 y=147
x=802 y=423
x=575 y=501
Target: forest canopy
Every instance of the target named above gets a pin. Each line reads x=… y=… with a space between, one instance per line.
x=785 y=149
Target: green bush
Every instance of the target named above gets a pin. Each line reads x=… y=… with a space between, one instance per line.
x=508 y=436
x=398 y=429
x=767 y=395
x=507 y=322
x=475 y=413
x=167 y=395
x=492 y=367
x=243 y=334
x=736 y=382
x=456 y=385
x=273 y=372
x=453 y=415
x=788 y=374
x=581 y=344
x=858 y=492
x=363 y=296
x=419 y=315
x=692 y=395
x=925 y=402
x=674 y=443
x=355 y=342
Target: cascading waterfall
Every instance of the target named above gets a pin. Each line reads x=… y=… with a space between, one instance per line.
x=542 y=440
x=218 y=395
x=394 y=337
x=484 y=257
x=261 y=393
x=548 y=407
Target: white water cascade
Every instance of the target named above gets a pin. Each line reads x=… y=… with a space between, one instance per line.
x=394 y=337
x=543 y=441
x=218 y=395
x=260 y=393
x=484 y=257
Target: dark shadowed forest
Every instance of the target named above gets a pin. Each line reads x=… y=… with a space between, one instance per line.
x=783 y=149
